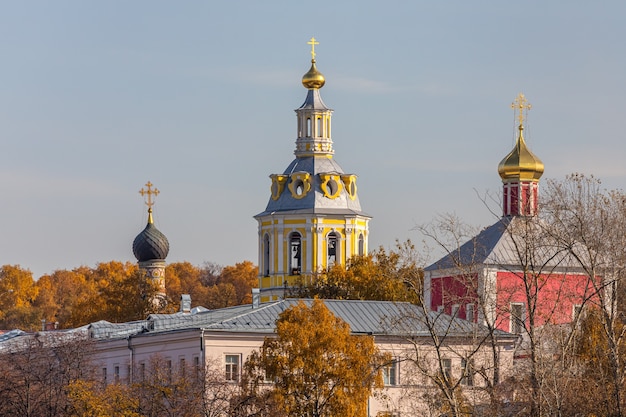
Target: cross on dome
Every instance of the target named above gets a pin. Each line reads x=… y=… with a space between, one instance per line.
x=149 y=192
x=520 y=104
x=313 y=42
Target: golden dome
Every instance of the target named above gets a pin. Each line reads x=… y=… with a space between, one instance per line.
x=313 y=79
x=521 y=163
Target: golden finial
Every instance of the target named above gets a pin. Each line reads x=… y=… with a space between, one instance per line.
x=313 y=42
x=149 y=192
x=520 y=104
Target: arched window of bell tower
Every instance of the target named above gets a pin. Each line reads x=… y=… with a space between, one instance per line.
x=318 y=127
x=308 y=127
x=361 y=245
x=295 y=253
x=332 y=248
x=266 y=255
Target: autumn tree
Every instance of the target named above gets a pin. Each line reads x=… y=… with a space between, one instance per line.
x=589 y=223
x=317 y=366
x=61 y=292
x=534 y=270
x=36 y=371
x=184 y=278
x=379 y=275
x=17 y=293
x=122 y=293
x=89 y=398
x=233 y=285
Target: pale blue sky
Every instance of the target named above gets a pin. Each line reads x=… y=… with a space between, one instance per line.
x=96 y=98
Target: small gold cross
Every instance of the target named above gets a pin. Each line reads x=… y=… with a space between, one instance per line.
x=520 y=103
x=149 y=192
x=313 y=42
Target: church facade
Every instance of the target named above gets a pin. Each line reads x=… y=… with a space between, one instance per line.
x=511 y=269
x=313 y=218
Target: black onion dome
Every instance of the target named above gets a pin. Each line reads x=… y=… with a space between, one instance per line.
x=150 y=244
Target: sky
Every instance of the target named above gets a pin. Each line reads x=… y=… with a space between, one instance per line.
x=97 y=98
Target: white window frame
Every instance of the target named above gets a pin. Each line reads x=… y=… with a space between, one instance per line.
x=517 y=323
x=467 y=372
x=332 y=236
x=469 y=308
x=295 y=257
x=391 y=375
x=230 y=374
x=446 y=366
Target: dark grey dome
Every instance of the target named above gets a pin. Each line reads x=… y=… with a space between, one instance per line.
x=150 y=244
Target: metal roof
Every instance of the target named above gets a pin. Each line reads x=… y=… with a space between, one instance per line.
x=504 y=243
x=364 y=317
x=315 y=199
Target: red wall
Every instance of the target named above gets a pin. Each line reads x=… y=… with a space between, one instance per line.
x=558 y=293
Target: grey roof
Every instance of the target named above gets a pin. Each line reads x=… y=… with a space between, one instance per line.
x=364 y=317
x=16 y=340
x=502 y=245
x=313 y=101
x=314 y=201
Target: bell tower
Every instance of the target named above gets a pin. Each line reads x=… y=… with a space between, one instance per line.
x=313 y=218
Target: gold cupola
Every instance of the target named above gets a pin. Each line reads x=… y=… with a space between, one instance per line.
x=313 y=79
x=521 y=164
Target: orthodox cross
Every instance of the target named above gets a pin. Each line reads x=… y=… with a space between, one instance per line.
x=149 y=192
x=520 y=103
x=313 y=42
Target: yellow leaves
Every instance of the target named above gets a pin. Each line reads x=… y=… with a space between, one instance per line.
x=89 y=400
x=317 y=364
x=380 y=275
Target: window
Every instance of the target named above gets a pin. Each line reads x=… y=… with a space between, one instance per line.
x=182 y=367
x=361 y=245
x=446 y=368
x=196 y=367
x=467 y=369
x=469 y=312
x=232 y=367
x=104 y=376
x=295 y=251
x=455 y=310
x=142 y=371
x=390 y=374
x=576 y=311
x=116 y=374
x=266 y=255
x=517 y=318
x=439 y=309
x=332 y=248
x=168 y=370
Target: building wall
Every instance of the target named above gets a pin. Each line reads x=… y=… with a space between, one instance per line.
x=275 y=269
x=559 y=294
x=408 y=393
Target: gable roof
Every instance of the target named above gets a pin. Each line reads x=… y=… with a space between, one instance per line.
x=503 y=244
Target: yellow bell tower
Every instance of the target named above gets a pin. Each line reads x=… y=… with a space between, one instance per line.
x=313 y=218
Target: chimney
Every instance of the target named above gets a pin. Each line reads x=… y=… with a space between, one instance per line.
x=256 y=297
x=185 y=303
